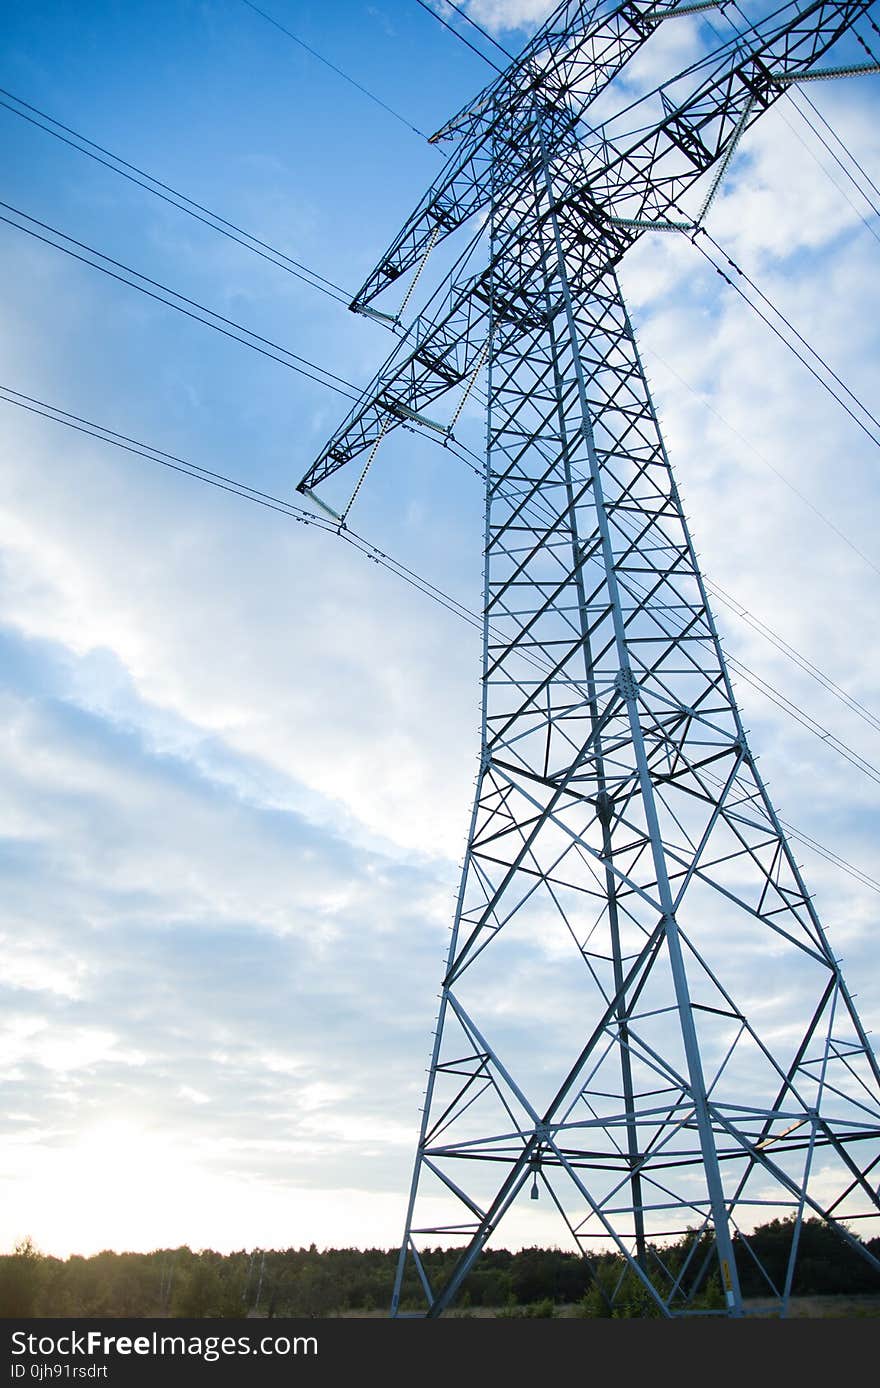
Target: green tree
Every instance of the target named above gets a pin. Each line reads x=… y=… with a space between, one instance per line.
x=21 y=1280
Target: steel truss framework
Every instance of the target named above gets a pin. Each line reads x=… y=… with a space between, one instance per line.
x=620 y=830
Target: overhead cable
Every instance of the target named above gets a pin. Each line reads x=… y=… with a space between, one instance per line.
x=297 y=513
x=170 y=195
x=458 y=34
x=826 y=520
x=875 y=438
x=338 y=70
x=480 y=30
x=270 y=349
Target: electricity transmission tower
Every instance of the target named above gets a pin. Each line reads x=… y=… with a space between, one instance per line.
x=620 y=831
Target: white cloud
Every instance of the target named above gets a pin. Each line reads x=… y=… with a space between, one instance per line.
x=498 y=15
x=207 y=660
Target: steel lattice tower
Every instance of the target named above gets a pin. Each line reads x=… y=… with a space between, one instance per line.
x=620 y=829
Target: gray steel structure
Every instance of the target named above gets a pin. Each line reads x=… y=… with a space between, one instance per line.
x=619 y=814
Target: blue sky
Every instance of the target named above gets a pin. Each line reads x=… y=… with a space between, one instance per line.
x=237 y=758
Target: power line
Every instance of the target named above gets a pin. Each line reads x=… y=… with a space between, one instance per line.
x=676 y=625
x=793 y=832
x=774 y=695
x=794 y=655
x=297 y=513
x=766 y=300
x=457 y=32
x=840 y=164
x=805 y=720
x=870 y=52
x=825 y=735
x=802 y=662
x=830 y=856
x=290 y=359
x=174 y=197
x=342 y=296
x=236 y=487
x=338 y=70
x=792 y=329
x=202 y=308
x=328 y=286
x=784 y=647
x=768 y=690
x=826 y=367
x=763 y=686
x=777 y=311
x=766 y=461
x=803 y=96
x=479 y=28
x=795 y=97
x=154 y=455
x=790 y=345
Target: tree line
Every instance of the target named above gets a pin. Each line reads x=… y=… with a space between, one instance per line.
x=306 y=1282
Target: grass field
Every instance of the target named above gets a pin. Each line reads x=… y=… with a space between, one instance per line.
x=800 y=1308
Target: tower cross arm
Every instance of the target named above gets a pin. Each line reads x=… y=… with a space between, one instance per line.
x=569 y=62
x=436 y=355
x=642 y=183
x=610 y=197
